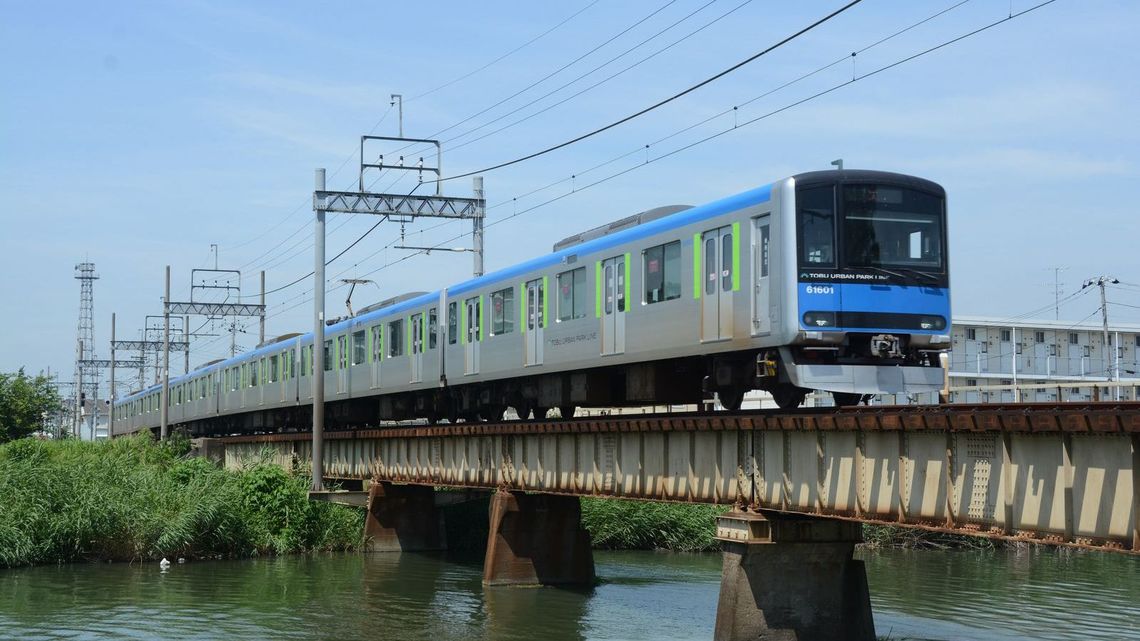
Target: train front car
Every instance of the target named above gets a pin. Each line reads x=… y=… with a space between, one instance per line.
x=871 y=283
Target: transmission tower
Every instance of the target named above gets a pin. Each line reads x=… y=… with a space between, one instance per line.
x=84 y=340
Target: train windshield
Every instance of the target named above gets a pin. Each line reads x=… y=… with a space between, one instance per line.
x=888 y=227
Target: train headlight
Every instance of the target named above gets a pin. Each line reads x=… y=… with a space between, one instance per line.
x=819 y=319
x=932 y=322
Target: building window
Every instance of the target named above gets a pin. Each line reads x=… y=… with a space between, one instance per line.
x=971 y=334
x=433 y=327
x=452 y=323
x=572 y=294
x=662 y=269
x=503 y=311
x=1005 y=335
x=1039 y=337
x=1052 y=350
x=359 y=347
x=971 y=382
x=1074 y=338
x=396 y=338
x=1088 y=350
x=984 y=347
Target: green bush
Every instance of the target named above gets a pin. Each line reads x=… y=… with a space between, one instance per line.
x=132 y=499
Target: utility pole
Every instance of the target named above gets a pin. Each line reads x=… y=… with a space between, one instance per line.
x=261 y=333
x=111 y=395
x=1101 y=281
x=477 y=227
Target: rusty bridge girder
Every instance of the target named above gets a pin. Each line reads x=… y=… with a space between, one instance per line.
x=1052 y=473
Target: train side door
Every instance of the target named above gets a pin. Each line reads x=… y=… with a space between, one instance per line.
x=762 y=287
x=417 y=355
x=376 y=345
x=472 y=332
x=716 y=307
x=342 y=364
x=535 y=319
x=614 y=286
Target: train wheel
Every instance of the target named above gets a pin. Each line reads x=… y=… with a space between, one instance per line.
x=731 y=398
x=788 y=396
x=844 y=399
x=567 y=411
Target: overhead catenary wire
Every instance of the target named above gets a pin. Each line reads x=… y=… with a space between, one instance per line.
x=664 y=101
x=747 y=122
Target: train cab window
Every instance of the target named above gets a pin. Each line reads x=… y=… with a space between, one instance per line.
x=662 y=270
x=327 y=361
x=816 y=214
x=433 y=327
x=452 y=323
x=377 y=342
x=396 y=338
x=359 y=347
x=572 y=294
x=503 y=311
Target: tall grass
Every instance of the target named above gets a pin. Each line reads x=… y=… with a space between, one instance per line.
x=616 y=524
x=132 y=499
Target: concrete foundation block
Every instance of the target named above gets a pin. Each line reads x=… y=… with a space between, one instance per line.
x=796 y=581
x=537 y=539
x=403 y=518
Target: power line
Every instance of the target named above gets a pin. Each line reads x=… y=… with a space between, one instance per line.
x=505 y=55
x=663 y=102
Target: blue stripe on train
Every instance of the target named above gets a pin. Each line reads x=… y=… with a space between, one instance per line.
x=861 y=297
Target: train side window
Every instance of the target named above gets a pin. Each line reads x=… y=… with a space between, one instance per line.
x=253 y=374
x=572 y=294
x=662 y=269
x=452 y=324
x=503 y=311
x=307 y=356
x=342 y=352
x=710 y=265
x=274 y=369
x=359 y=347
x=433 y=327
x=816 y=229
x=328 y=358
x=396 y=338
x=377 y=342
x=726 y=262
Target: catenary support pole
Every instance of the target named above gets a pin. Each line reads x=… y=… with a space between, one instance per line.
x=261 y=333
x=186 y=350
x=111 y=392
x=477 y=226
x=164 y=411
x=318 y=367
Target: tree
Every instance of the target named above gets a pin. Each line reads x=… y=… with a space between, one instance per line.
x=24 y=401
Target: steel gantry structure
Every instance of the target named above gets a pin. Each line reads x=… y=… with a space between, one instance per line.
x=395 y=207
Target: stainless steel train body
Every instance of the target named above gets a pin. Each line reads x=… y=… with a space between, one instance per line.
x=834 y=280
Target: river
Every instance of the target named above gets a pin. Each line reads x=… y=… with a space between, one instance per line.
x=980 y=596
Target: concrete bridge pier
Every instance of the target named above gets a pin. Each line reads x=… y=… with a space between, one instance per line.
x=403 y=518
x=537 y=539
x=791 y=578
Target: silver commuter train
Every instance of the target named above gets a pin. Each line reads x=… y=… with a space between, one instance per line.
x=830 y=280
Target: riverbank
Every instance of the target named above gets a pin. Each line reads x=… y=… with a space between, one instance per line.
x=136 y=500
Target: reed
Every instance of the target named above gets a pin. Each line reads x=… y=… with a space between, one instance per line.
x=133 y=499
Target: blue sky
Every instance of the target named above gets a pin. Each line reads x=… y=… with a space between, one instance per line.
x=137 y=134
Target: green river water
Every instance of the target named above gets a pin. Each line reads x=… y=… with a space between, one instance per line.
x=642 y=595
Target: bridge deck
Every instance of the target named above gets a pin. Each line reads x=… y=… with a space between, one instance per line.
x=1053 y=473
